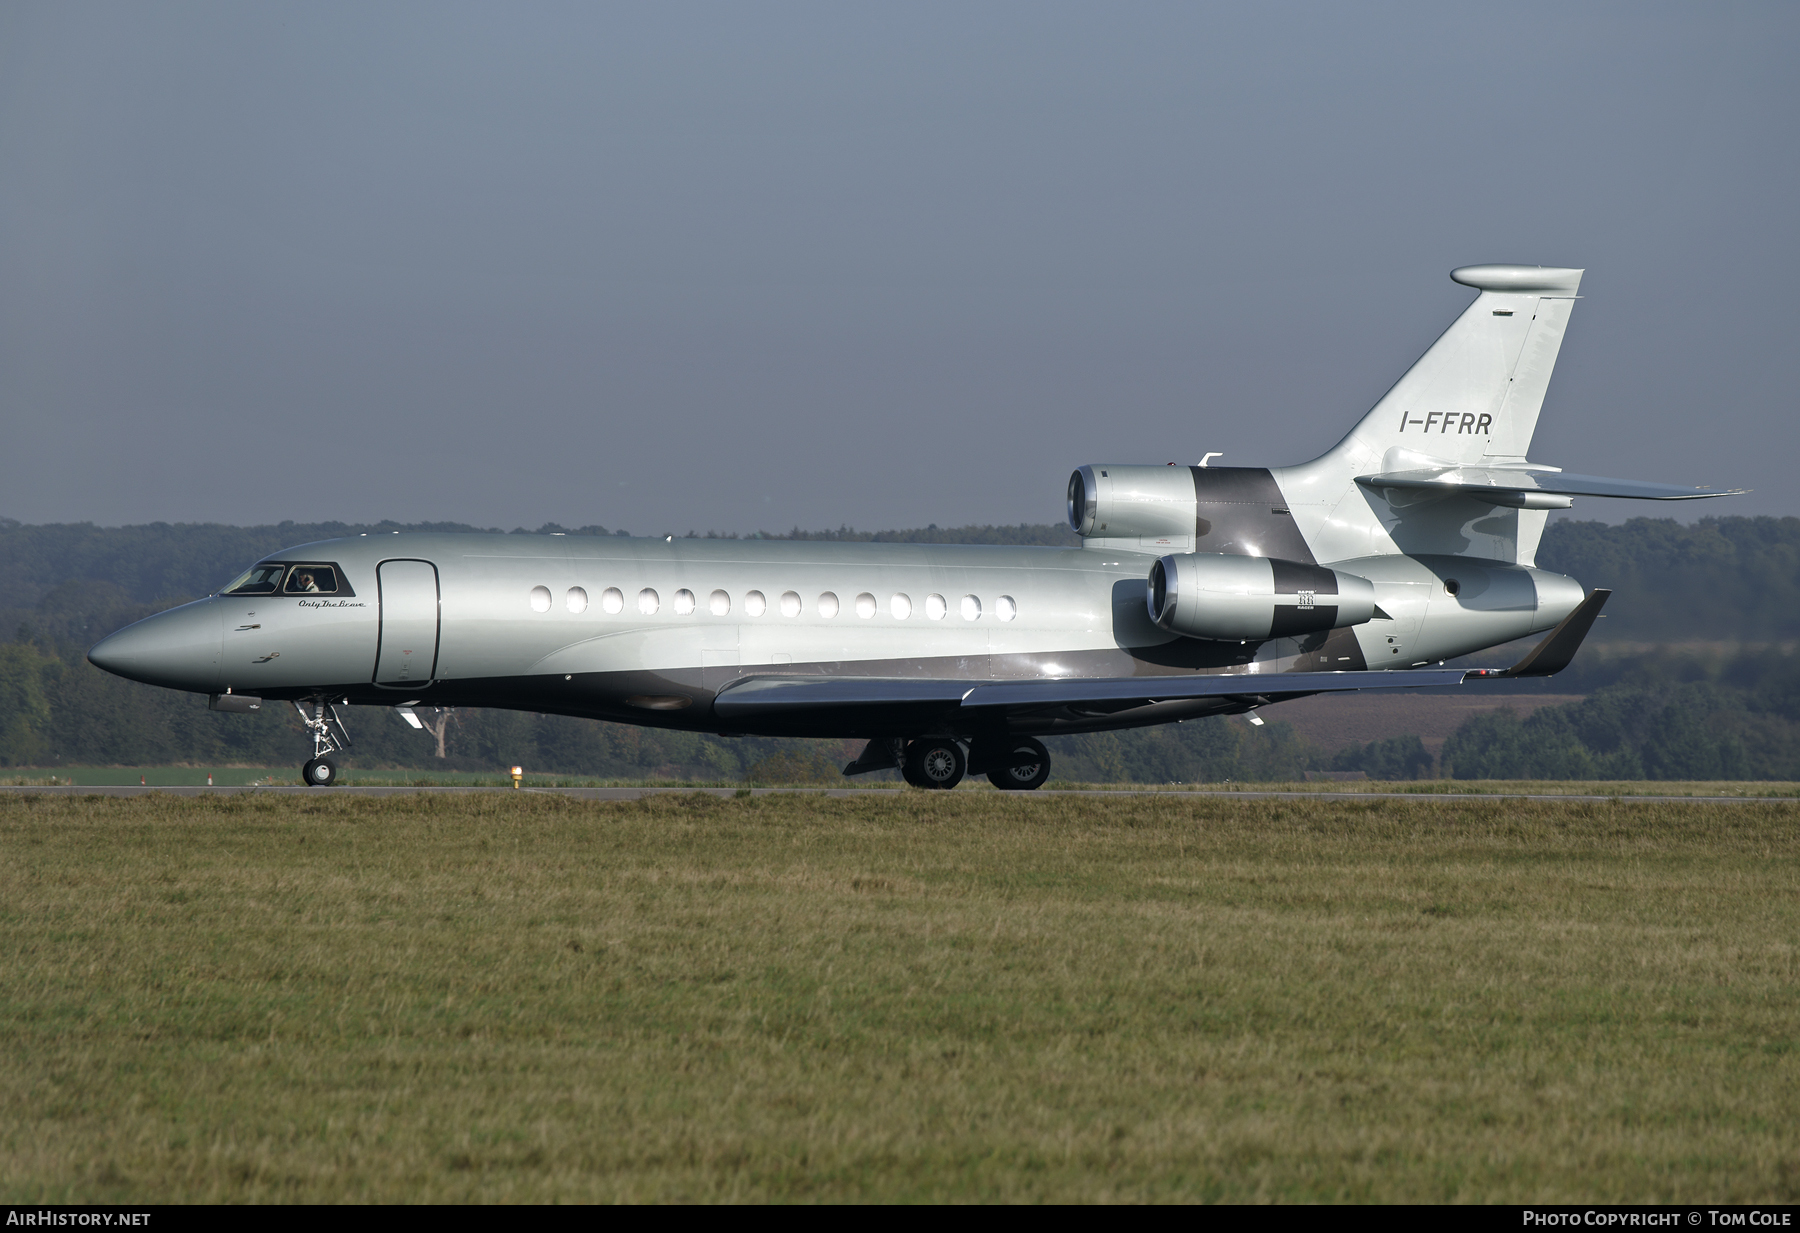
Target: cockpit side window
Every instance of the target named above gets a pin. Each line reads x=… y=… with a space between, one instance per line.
x=264 y=579
x=312 y=580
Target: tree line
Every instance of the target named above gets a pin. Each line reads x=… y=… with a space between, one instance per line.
x=1650 y=714
x=166 y=563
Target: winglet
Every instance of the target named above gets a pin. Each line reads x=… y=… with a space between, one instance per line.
x=1557 y=650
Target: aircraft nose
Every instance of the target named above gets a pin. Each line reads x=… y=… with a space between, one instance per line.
x=177 y=649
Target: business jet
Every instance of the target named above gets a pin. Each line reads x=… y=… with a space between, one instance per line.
x=1197 y=590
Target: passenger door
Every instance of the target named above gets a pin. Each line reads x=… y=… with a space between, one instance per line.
x=406 y=655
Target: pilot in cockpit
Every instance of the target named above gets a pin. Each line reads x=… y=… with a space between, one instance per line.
x=303 y=581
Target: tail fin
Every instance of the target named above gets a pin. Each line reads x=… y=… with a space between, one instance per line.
x=1476 y=394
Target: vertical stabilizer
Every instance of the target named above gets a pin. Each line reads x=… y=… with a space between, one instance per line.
x=1471 y=400
x=1476 y=394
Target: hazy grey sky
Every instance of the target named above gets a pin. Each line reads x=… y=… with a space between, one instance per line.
x=750 y=265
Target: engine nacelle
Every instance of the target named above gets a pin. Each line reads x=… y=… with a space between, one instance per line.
x=1122 y=502
x=1233 y=598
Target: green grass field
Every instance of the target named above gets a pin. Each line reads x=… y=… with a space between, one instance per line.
x=242 y=776
x=914 y=996
x=155 y=776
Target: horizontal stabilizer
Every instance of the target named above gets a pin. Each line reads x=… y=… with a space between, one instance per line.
x=1503 y=483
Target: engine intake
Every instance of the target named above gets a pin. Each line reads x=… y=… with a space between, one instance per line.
x=1235 y=598
x=1124 y=501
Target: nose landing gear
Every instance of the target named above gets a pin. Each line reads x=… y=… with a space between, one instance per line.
x=329 y=736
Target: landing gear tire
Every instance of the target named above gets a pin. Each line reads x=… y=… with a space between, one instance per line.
x=328 y=737
x=1023 y=778
x=935 y=762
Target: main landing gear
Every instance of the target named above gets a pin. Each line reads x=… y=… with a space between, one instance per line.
x=1012 y=764
x=1025 y=765
x=329 y=736
x=934 y=762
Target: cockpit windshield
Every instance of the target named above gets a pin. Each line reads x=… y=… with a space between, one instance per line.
x=302 y=579
x=257 y=580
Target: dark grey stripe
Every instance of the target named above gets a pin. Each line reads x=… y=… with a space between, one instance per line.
x=1235 y=512
x=1292 y=577
x=1291 y=621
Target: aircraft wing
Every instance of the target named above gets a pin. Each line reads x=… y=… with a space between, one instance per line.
x=772 y=695
x=1249 y=686
x=1478 y=481
x=767 y=696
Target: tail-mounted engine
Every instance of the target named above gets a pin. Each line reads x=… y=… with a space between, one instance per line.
x=1237 y=510
x=1238 y=598
x=1124 y=501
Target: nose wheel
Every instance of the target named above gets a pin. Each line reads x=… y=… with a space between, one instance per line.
x=329 y=736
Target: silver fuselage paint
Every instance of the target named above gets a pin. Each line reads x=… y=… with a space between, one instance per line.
x=1075 y=612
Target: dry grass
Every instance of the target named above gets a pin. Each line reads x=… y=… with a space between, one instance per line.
x=1746 y=789
x=928 y=996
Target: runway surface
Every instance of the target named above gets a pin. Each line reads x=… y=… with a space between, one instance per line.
x=632 y=794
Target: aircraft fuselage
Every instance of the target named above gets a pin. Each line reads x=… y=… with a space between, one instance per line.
x=523 y=621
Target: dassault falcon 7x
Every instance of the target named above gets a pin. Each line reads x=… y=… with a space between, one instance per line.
x=1200 y=590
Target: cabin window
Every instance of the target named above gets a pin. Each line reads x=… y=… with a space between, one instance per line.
x=312 y=580
x=576 y=599
x=612 y=601
x=790 y=604
x=828 y=605
x=935 y=607
x=540 y=599
x=971 y=608
x=865 y=605
x=720 y=603
x=649 y=601
x=257 y=580
x=684 y=602
x=900 y=606
x=755 y=604
x=1006 y=608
